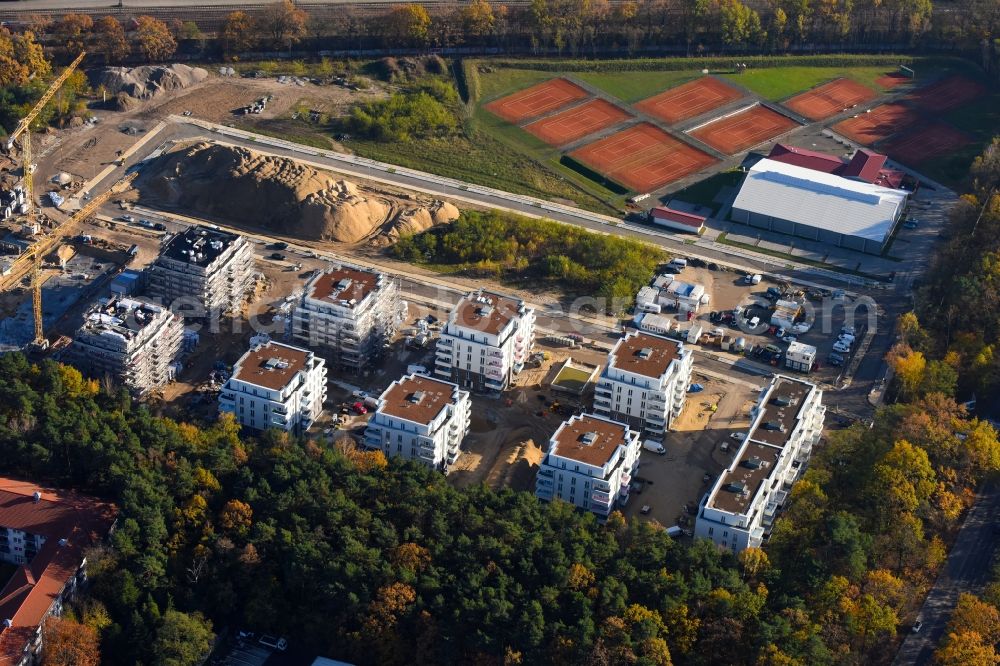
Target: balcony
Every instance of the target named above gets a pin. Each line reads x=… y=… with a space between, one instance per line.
x=495 y=352
x=601 y=509
x=600 y=498
x=546 y=473
x=541 y=481
x=544 y=493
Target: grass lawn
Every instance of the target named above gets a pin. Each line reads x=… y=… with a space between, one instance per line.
x=635 y=86
x=778 y=83
x=480 y=158
x=503 y=81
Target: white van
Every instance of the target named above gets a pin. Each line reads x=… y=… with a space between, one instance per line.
x=678 y=264
x=416 y=370
x=654 y=446
x=674 y=532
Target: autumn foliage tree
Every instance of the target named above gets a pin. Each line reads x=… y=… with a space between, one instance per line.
x=237 y=34
x=74 y=32
x=69 y=643
x=153 y=39
x=408 y=24
x=110 y=40
x=282 y=24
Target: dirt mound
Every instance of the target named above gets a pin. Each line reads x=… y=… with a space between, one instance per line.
x=130 y=85
x=283 y=195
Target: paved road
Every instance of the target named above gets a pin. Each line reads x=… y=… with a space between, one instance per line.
x=853 y=400
x=967 y=569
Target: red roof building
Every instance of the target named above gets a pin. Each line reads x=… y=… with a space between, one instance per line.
x=44 y=533
x=677 y=219
x=865 y=166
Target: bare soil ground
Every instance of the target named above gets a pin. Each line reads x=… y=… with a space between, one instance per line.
x=672 y=480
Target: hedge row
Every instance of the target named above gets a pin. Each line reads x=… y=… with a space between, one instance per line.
x=467 y=79
x=717 y=63
x=590 y=174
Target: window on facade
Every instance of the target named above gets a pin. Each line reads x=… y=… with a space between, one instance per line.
x=710 y=531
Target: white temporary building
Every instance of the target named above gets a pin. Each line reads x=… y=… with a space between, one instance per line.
x=819 y=206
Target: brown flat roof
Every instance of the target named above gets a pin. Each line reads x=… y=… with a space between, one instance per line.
x=272 y=366
x=781 y=411
x=486 y=312
x=645 y=354
x=417 y=398
x=738 y=487
x=572 y=439
x=344 y=284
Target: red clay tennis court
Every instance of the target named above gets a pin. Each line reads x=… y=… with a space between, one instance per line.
x=744 y=129
x=830 y=99
x=642 y=157
x=892 y=79
x=881 y=123
x=926 y=142
x=536 y=100
x=947 y=94
x=572 y=124
x=689 y=100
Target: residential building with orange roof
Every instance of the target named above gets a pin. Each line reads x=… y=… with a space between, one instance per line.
x=590 y=463
x=486 y=341
x=44 y=533
x=645 y=382
x=740 y=509
x=348 y=315
x=276 y=386
x=421 y=418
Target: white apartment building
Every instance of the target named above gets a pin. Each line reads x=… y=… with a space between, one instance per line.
x=590 y=463
x=645 y=382
x=202 y=268
x=276 y=386
x=486 y=340
x=348 y=315
x=741 y=507
x=129 y=340
x=422 y=419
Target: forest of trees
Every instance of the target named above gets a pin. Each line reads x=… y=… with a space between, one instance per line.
x=515 y=248
x=568 y=27
x=380 y=562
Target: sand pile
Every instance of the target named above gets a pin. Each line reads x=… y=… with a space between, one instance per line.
x=129 y=85
x=258 y=190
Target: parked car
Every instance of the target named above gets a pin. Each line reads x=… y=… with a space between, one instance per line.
x=738 y=436
x=159 y=226
x=848 y=330
x=911 y=224
x=277 y=256
x=846 y=339
x=128 y=218
x=754 y=322
x=774 y=349
x=773 y=293
x=841 y=347
x=789 y=339
x=917 y=626
x=645 y=509
x=359 y=408
x=801 y=327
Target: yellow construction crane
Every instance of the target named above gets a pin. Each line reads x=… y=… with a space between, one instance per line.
x=35 y=253
x=27 y=169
